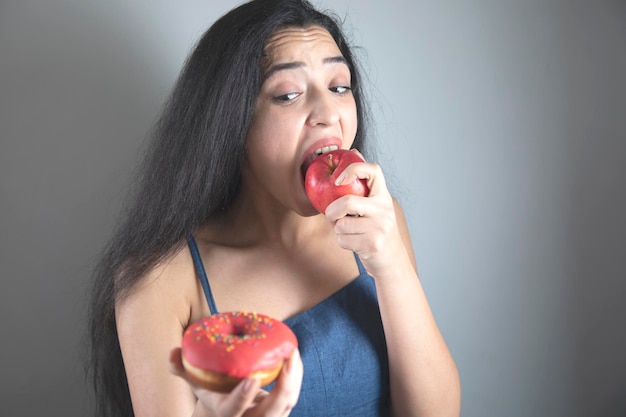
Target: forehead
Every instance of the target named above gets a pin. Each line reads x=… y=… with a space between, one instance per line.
x=294 y=43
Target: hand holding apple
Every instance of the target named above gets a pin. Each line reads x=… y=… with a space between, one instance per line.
x=319 y=182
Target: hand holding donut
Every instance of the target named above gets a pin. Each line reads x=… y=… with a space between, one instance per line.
x=225 y=361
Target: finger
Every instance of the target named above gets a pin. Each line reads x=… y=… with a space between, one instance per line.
x=370 y=172
x=295 y=372
x=176 y=362
x=352 y=225
x=347 y=205
x=260 y=396
x=177 y=368
x=285 y=394
x=373 y=230
x=244 y=396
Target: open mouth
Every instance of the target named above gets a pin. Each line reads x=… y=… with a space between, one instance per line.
x=318 y=152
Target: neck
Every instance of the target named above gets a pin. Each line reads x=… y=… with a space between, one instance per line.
x=255 y=219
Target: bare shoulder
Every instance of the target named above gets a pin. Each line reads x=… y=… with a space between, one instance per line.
x=150 y=323
x=166 y=285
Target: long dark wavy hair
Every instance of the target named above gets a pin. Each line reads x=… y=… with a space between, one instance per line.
x=192 y=169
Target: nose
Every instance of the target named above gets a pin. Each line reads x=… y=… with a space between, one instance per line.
x=322 y=108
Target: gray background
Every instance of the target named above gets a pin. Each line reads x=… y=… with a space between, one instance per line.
x=502 y=130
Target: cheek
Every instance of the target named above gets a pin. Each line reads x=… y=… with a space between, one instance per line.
x=275 y=130
x=268 y=145
x=349 y=123
x=259 y=135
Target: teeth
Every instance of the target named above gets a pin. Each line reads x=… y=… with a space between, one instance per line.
x=326 y=149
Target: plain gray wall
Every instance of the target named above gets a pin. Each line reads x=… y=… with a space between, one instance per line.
x=502 y=129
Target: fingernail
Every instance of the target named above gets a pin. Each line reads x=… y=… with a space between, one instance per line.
x=340 y=178
x=250 y=384
x=247 y=385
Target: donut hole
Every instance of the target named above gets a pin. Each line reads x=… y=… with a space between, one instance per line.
x=239 y=332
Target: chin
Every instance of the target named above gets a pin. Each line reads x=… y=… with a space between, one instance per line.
x=311 y=213
x=305 y=209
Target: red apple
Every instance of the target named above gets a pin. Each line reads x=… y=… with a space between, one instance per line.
x=319 y=181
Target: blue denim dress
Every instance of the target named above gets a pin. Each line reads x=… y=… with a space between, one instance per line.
x=342 y=345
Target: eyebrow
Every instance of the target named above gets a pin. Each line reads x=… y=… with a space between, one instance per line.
x=298 y=64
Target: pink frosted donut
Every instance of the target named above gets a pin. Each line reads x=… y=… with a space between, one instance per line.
x=224 y=348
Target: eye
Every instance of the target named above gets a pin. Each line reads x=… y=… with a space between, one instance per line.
x=340 y=89
x=287 y=97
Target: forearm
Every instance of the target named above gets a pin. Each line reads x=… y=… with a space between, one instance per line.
x=423 y=376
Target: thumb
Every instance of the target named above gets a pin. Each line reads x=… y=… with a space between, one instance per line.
x=241 y=398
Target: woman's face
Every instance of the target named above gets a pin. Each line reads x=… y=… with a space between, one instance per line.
x=305 y=104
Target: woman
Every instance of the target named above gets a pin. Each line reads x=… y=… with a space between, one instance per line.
x=221 y=202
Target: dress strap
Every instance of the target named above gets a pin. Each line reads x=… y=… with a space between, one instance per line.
x=204 y=280
x=362 y=269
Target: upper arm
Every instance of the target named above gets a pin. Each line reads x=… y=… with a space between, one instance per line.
x=150 y=323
